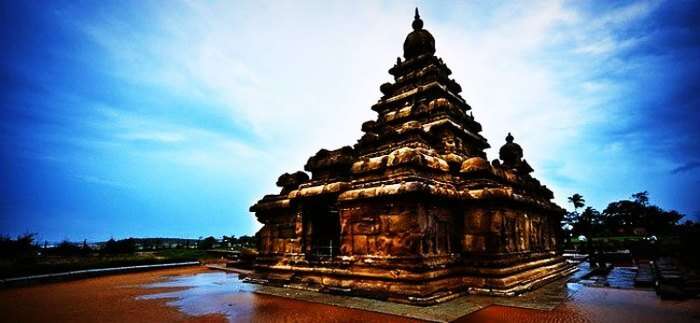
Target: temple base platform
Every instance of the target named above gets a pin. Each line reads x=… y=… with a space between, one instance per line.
x=414 y=286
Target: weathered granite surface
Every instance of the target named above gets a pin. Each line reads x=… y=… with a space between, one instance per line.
x=546 y=298
x=413 y=212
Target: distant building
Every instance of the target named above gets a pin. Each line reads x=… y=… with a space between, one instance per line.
x=413 y=212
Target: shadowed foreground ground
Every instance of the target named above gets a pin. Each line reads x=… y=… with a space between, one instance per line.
x=598 y=305
x=114 y=299
x=157 y=296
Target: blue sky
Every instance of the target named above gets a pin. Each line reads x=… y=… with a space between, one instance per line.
x=163 y=118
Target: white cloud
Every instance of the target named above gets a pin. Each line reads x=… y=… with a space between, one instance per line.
x=100 y=181
x=156 y=136
x=302 y=76
x=627 y=14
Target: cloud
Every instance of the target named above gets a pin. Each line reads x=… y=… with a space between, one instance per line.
x=100 y=181
x=169 y=141
x=686 y=168
x=156 y=136
x=238 y=92
x=628 y=14
x=298 y=87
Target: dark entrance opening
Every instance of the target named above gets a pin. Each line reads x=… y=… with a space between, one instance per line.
x=323 y=230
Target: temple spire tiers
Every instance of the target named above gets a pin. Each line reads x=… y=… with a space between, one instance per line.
x=419 y=41
x=413 y=212
x=423 y=97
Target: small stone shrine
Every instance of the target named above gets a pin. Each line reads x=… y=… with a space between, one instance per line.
x=413 y=212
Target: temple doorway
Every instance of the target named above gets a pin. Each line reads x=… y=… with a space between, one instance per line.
x=323 y=235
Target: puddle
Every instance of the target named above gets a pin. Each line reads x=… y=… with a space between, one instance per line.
x=208 y=293
x=221 y=293
x=572 y=288
x=622 y=277
x=618 y=277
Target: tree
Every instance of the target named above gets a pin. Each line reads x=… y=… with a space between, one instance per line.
x=119 y=246
x=23 y=246
x=207 y=243
x=626 y=216
x=641 y=198
x=229 y=241
x=67 y=248
x=247 y=241
x=577 y=201
x=589 y=223
x=659 y=221
x=570 y=218
x=622 y=216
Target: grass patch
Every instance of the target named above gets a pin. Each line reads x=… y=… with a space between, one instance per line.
x=56 y=264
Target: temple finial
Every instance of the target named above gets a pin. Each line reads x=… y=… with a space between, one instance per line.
x=509 y=138
x=417 y=22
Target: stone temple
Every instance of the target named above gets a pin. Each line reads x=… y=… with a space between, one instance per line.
x=413 y=212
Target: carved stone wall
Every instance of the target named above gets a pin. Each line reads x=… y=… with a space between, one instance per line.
x=380 y=228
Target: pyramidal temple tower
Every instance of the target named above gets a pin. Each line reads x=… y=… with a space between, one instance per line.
x=413 y=212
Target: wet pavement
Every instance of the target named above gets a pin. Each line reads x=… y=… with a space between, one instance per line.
x=225 y=294
x=598 y=305
x=205 y=293
x=565 y=300
x=618 y=277
x=196 y=294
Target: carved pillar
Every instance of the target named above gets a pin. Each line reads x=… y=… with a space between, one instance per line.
x=298 y=230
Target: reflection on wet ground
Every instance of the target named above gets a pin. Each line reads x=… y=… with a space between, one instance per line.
x=206 y=293
x=562 y=301
x=225 y=294
x=598 y=305
x=618 y=277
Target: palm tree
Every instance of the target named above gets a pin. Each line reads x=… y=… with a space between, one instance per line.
x=571 y=218
x=577 y=200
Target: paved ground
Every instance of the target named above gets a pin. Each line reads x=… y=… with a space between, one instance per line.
x=196 y=294
x=545 y=298
x=568 y=300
